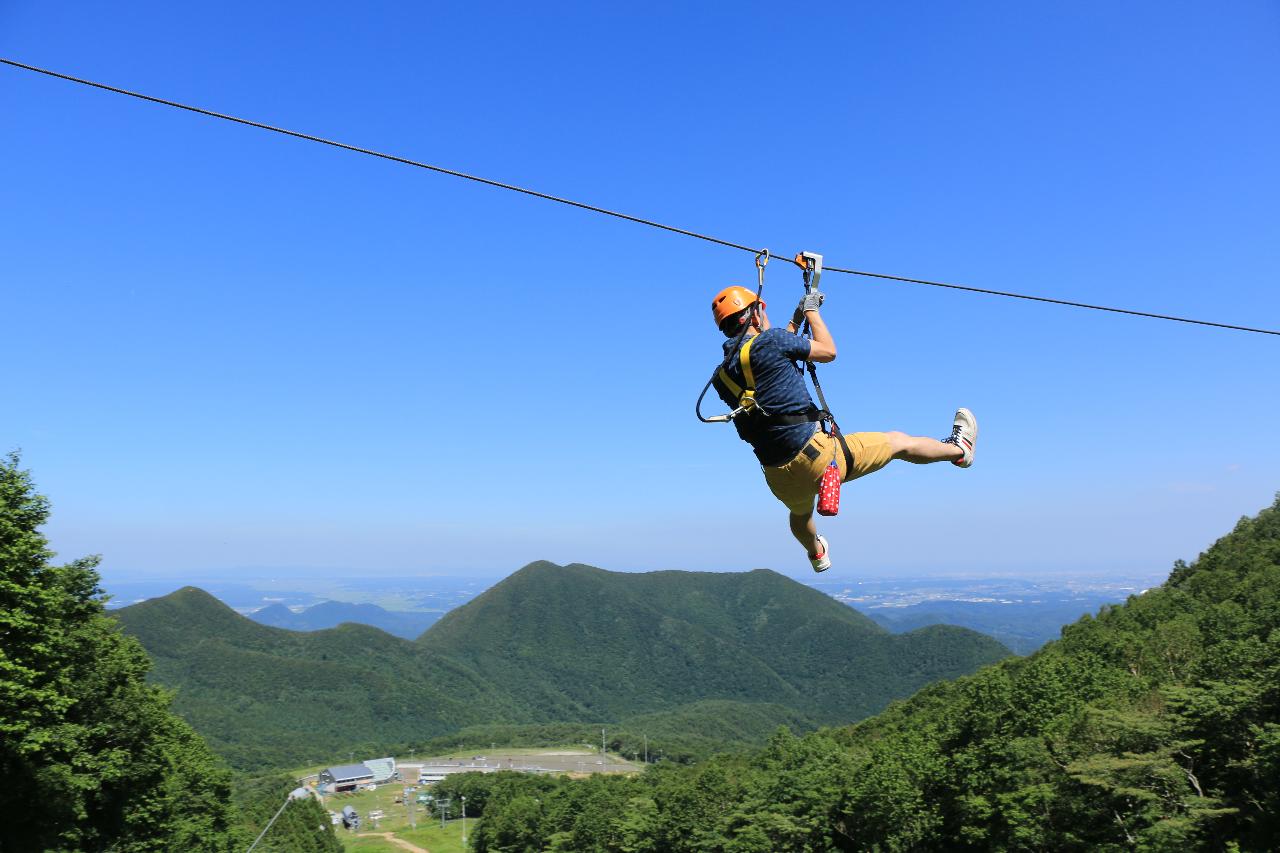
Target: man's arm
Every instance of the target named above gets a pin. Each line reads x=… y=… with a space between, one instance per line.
x=822 y=348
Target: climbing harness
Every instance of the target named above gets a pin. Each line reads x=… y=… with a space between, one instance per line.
x=744 y=403
x=810 y=264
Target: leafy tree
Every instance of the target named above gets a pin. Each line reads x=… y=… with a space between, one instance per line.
x=91 y=756
x=303 y=826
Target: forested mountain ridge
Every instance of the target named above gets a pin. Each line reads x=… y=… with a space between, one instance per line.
x=267 y=696
x=549 y=644
x=1153 y=726
x=670 y=638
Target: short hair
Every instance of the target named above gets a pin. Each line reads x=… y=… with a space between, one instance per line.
x=732 y=324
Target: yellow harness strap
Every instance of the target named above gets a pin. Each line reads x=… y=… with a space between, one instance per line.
x=746 y=396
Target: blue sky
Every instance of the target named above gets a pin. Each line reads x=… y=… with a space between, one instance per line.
x=228 y=350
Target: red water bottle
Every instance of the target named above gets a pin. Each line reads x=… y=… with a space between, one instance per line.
x=829 y=491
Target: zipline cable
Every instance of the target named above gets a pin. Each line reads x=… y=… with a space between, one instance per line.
x=594 y=209
x=1049 y=300
x=392 y=157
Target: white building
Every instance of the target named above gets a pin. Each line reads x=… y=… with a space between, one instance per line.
x=383 y=769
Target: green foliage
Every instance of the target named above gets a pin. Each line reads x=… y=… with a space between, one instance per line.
x=266 y=697
x=683 y=735
x=699 y=662
x=303 y=826
x=90 y=756
x=585 y=644
x=1153 y=726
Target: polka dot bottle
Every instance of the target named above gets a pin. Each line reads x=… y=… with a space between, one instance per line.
x=829 y=491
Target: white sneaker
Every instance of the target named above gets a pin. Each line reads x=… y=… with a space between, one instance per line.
x=964 y=435
x=822 y=562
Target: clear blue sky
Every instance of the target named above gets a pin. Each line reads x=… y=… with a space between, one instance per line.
x=225 y=348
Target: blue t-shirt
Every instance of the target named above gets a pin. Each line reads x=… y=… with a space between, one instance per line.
x=780 y=390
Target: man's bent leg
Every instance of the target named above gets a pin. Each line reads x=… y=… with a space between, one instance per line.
x=920 y=450
x=805 y=531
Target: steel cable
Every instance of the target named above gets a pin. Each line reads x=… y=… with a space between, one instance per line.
x=594 y=209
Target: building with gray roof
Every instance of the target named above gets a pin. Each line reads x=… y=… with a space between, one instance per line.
x=344 y=777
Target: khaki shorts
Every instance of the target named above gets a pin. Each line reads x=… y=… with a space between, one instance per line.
x=796 y=483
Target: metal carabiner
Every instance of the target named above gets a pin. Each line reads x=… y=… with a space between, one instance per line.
x=762 y=260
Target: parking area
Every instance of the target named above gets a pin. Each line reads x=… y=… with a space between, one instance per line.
x=558 y=760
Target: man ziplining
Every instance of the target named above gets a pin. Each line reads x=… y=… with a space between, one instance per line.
x=763 y=381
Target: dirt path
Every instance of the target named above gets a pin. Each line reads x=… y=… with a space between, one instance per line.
x=399 y=842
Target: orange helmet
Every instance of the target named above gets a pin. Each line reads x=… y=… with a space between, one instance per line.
x=730 y=301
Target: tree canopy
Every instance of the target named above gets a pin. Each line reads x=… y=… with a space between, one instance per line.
x=1154 y=725
x=91 y=756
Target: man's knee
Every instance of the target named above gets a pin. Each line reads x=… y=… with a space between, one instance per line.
x=899 y=442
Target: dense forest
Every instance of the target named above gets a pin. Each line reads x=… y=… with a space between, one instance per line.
x=91 y=756
x=547 y=645
x=1154 y=726
x=684 y=735
x=583 y=643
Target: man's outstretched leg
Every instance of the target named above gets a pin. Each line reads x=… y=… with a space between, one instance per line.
x=957 y=448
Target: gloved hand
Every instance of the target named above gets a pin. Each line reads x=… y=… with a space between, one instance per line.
x=810 y=302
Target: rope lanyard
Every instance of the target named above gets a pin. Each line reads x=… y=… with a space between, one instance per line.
x=811 y=268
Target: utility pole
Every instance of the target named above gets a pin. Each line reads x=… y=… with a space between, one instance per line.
x=646 y=749
x=602 y=743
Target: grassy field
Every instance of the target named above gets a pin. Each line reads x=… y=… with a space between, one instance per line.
x=395 y=819
x=431 y=838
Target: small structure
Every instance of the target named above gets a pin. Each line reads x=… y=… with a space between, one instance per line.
x=383 y=769
x=344 y=777
x=350 y=818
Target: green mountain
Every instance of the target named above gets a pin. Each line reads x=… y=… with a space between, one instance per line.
x=548 y=644
x=583 y=643
x=266 y=696
x=1154 y=725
